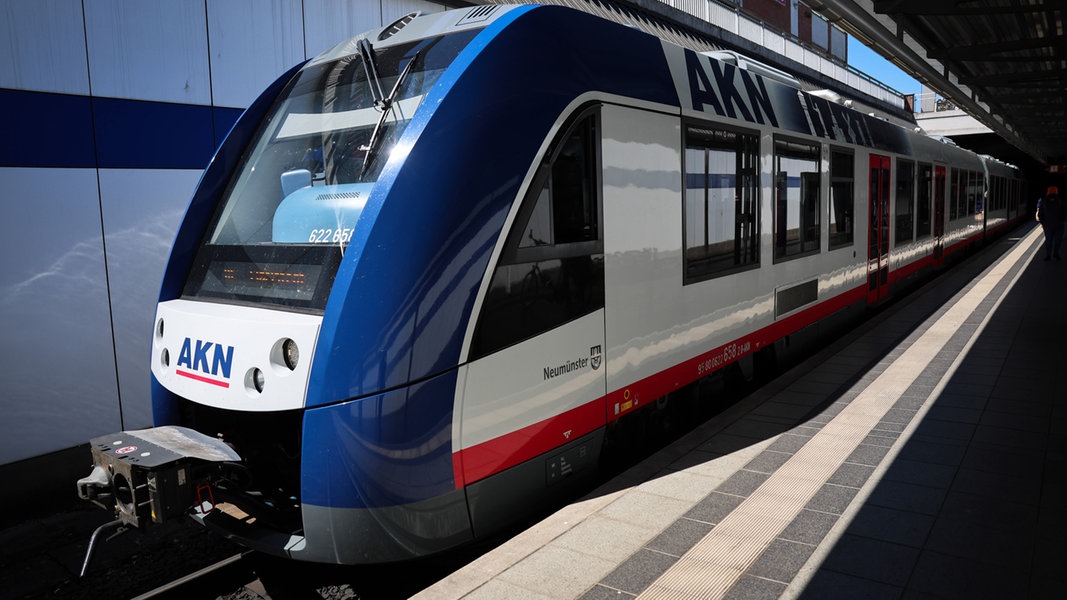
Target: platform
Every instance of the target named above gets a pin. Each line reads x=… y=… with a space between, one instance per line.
x=923 y=455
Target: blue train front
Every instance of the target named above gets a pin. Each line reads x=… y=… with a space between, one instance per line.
x=314 y=309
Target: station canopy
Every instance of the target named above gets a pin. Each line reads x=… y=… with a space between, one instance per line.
x=1002 y=61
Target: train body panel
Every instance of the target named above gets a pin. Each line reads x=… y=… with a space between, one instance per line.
x=380 y=468
x=485 y=250
x=532 y=397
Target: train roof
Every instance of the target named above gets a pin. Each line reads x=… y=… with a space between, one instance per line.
x=694 y=37
x=884 y=125
x=689 y=37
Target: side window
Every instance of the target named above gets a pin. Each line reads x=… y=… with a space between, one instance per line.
x=842 y=198
x=923 y=201
x=956 y=202
x=796 y=202
x=905 y=223
x=551 y=270
x=721 y=202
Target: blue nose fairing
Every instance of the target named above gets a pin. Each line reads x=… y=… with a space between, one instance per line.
x=405 y=290
x=404 y=293
x=382 y=466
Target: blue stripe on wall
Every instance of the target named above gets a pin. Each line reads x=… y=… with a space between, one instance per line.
x=147 y=135
x=45 y=130
x=57 y=130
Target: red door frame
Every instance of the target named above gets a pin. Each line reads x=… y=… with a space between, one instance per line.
x=878 y=229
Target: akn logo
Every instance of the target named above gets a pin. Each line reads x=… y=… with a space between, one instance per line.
x=208 y=362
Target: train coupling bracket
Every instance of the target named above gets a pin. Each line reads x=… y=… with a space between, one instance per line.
x=149 y=476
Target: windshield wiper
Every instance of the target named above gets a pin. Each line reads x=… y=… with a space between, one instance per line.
x=370 y=67
x=386 y=105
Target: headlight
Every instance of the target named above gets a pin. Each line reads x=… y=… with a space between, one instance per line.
x=291 y=354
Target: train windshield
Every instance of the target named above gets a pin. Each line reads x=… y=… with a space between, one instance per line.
x=291 y=207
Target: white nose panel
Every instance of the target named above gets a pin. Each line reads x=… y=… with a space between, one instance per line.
x=234 y=357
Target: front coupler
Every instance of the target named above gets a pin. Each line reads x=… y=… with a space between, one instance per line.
x=152 y=475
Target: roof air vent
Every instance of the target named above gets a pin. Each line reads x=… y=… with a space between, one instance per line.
x=394 y=27
x=477 y=15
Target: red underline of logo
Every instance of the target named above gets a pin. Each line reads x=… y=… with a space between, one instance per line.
x=223 y=384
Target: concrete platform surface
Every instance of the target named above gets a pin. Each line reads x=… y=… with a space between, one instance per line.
x=924 y=455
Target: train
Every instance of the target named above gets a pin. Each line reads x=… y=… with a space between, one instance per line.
x=430 y=272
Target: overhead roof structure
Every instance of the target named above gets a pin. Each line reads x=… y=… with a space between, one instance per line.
x=1002 y=61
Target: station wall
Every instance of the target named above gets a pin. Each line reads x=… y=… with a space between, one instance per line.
x=109 y=111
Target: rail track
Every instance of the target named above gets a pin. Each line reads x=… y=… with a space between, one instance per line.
x=234 y=572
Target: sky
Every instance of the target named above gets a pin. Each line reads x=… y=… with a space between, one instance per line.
x=868 y=61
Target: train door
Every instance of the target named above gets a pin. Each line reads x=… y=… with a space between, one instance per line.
x=878 y=229
x=939 y=215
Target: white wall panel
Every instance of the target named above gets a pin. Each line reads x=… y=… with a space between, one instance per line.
x=727 y=18
x=42 y=46
x=57 y=372
x=252 y=43
x=148 y=50
x=142 y=211
x=328 y=22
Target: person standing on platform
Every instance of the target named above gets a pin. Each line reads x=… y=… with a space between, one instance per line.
x=1050 y=212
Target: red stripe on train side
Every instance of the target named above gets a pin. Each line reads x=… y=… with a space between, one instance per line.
x=907 y=269
x=485 y=459
x=488 y=458
x=962 y=244
x=660 y=384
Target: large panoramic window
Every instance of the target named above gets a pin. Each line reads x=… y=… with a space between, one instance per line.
x=721 y=202
x=552 y=268
x=796 y=201
x=923 y=201
x=968 y=188
x=842 y=198
x=956 y=196
x=976 y=194
x=905 y=210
